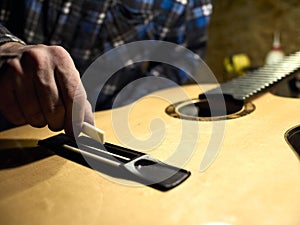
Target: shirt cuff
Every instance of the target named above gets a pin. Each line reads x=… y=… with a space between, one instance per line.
x=10 y=38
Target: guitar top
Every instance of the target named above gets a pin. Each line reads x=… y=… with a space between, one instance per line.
x=243 y=170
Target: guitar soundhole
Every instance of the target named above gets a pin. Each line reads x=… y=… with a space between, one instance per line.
x=210 y=107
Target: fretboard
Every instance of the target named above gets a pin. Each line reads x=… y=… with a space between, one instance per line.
x=257 y=81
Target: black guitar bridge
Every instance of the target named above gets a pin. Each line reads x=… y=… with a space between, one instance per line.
x=117 y=161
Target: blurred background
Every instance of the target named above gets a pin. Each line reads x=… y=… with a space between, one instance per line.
x=247 y=27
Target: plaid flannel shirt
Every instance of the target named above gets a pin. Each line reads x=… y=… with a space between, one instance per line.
x=89 y=28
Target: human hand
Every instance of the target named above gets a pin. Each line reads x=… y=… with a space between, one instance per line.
x=40 y=87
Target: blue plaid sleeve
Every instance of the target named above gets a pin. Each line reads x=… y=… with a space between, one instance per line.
x=89 y=28
x=188 y=27
x=7 y=36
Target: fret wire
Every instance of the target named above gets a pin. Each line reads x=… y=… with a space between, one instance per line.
x=256 y=81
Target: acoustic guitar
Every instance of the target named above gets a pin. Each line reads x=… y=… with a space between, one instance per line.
x=244 y=163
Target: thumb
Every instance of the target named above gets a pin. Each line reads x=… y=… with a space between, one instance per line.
x=88 y=114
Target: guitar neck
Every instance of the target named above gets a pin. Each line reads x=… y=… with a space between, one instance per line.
x=255 y=82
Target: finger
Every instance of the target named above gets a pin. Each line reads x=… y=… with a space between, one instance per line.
x=49 y=98
x=73 y=125
x=70 y=89
x=38 y=62
x=11 y=111
x=88 y=114
x=8 y=103
x=81 y=111
x=26 y=96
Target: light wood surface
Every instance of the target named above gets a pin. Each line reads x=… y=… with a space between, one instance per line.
x=255 y=178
